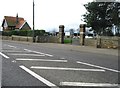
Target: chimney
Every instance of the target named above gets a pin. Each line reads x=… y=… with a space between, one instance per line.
x=17 y=19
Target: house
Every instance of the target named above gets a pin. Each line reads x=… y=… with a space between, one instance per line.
x=14 y=23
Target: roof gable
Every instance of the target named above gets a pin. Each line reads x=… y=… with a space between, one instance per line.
x=25 y=26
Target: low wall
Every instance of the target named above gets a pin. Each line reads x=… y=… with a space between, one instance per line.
x=47 y=39
x=40 y=39
x=110 y=42
x=105 y=42
x=18 y=38
x=90 y=42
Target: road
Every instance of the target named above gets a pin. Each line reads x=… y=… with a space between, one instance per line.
x=41 y=65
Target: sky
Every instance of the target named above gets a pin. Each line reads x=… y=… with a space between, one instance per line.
x=49 y=14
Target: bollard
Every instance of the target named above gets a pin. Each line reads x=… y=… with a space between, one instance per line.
x=61 y=34
x=82 y=34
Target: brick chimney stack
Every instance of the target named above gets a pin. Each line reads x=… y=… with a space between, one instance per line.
x=17 y=19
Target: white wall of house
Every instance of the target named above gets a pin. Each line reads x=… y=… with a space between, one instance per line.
x=5 y=24
x=1 y=29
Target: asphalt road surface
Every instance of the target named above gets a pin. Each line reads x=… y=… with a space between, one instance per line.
x=41 y=65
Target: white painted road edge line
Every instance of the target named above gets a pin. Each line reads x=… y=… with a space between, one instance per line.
x=38 y=52
x=87 y=84
x=72 y=69
x=48 y=83
x=98 y=67
x=25 y=59
x=4 y=55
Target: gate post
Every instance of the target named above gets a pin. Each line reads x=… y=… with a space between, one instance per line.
x=61 y=34
x=98 y=45
x=82 y=34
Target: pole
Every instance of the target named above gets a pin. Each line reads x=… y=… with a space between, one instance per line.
x=33 y=23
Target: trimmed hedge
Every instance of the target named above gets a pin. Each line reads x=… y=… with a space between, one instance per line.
x=7 y=33
x=39 y=32
x=24 y=33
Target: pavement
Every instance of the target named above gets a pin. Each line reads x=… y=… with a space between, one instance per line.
x=84 y=48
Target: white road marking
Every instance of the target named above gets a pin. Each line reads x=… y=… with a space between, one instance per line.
x=62 y=58
x=33 y=51
x=98 y=66
x=49 y=55
x=25 y=54
x=11 y=46
x=58 y=68
x=9 y=51
x=22 y=59
x=87 y=84
x=48 y=83
x=4 y=55
x=14 y=61
x=38 y=52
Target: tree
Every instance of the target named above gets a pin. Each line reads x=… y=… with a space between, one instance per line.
x=115 y=15
x=71 y=32
x=53 y=32
x=101 y=16
x=78 y=32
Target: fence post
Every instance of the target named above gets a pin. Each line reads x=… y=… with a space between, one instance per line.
x=61 y=34
x=82 y=34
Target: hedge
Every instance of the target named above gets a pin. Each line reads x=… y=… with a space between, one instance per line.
x=24 y=33
x=7 y=33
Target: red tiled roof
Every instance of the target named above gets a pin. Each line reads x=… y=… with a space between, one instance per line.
x=12 y=21
x=20 y=24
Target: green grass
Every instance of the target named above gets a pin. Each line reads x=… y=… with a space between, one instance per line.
x=67 y=41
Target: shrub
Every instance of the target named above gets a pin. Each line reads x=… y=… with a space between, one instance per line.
x=14 y=32
x=23 y=33
x=6 y=33
x=39 y=32
x=29 y=33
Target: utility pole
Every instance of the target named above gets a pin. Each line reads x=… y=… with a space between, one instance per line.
x=33 y=22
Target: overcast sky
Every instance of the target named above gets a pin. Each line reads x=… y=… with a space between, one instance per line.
x=49 y=14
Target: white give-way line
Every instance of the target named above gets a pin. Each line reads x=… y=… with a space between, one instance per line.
x=48 y=83
x=98 y=66
x=38 y=52
x=70 y=69
x=47 y=60
x=5 y=56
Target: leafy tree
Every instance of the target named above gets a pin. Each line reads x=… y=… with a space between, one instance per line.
x=71 y=31
x=101 y=16
x=54 y=32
